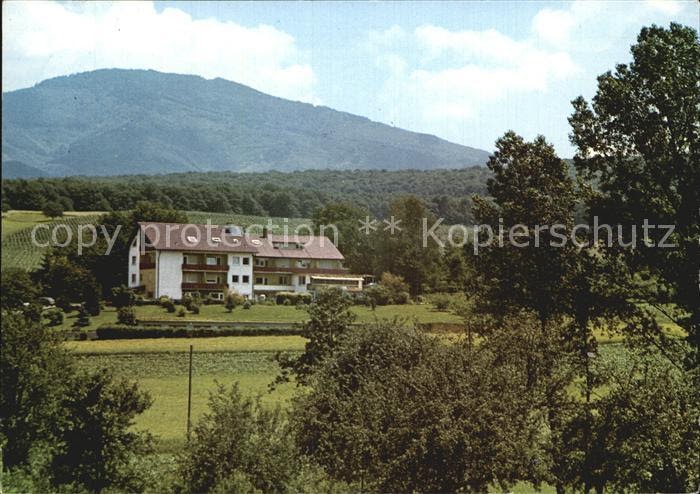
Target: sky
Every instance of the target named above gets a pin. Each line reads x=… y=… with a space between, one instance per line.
x=464 y=71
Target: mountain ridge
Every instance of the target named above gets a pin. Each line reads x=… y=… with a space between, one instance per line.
x=117 y=121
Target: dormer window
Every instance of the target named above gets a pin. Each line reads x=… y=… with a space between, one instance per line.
x=216 y=239
x=191 y=239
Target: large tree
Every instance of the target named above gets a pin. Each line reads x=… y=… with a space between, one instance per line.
x=355 y=246
x=531 y=187
x=59 y=426
x=639 y=141
x=398 y=410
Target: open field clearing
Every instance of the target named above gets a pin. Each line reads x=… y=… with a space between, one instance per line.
x=224 y=344
x=161 y=368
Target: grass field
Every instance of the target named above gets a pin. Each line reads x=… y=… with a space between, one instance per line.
x=423 y=313
x=160 y=367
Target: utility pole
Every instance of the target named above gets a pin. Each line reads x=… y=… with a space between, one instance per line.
x=189 y=399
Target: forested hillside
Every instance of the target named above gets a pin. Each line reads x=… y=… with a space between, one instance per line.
x=109 y=122
x=296 y=194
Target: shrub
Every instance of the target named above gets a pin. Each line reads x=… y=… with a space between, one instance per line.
x=191 y=299
x=123 y=297
x=441 y=301
x=402 y=298
x=127 y=316
x=167 y=303
x=54 y=317
x=239 y=446
x=234 y=299
x=83 y=318
x=194 y=308
x=294 y=298
x=247 y=304
x=181 y=312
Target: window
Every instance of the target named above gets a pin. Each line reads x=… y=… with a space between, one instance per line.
x=213 y=261
x=302 y=280
x=261 y=262
x=246 y=261
x=261 y=280
x=217 y=296
x=234 y=279
x=235 y=260
x=284 y=280
x=216 y=239
x=133 y=278
x=212 y=279
x=246 y=278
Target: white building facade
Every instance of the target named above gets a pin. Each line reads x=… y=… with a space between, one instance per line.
x=173 y=260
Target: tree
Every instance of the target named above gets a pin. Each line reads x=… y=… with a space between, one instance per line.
x=640 y=139
x=83 y=318
x=61 y=426
x=398 y=410
x=98 y=444
x=329 y=320
x=402 y=250
x=531 y=186
x=126 y=315
x=67 y=282
x=17 y=288
x=239 y=445
x=122 y=296
x=355 y=245
x=644 y=428
x=52 y=209
x=36 y=371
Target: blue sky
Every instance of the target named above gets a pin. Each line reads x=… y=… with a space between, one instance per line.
x=465 y=71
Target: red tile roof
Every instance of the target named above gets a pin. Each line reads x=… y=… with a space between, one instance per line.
x=202 y=238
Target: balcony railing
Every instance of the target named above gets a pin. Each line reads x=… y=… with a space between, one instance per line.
x=203 y=286
x=275 y=269
x=205 y=267
x=147 y=265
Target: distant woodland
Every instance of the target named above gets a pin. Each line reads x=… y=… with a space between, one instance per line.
x=447 y=193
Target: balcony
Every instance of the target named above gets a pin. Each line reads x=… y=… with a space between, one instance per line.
x=205 y=267
x=147 y=265
x=203 y=286
x=274 y=269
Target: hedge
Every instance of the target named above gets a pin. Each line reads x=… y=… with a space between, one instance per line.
x=121 y=332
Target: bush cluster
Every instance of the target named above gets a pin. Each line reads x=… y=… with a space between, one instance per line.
x=292 y=298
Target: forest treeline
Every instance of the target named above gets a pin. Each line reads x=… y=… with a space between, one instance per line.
x=298 y=194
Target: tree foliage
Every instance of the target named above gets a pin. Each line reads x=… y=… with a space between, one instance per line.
x=640 y=141
x=329 y=320
x=238 y=446
x=61 y=426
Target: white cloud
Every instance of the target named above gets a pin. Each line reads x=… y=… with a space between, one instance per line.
x=47 y=39
x=596 y=26
x=553 y=26
x=455 y=74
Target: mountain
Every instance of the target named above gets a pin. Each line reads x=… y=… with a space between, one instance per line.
x=17 y=169
x=116 y=121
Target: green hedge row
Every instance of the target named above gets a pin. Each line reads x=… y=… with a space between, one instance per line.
x=118 y=332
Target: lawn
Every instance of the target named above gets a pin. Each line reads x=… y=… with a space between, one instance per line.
x=423 y=313
x=160 y=367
